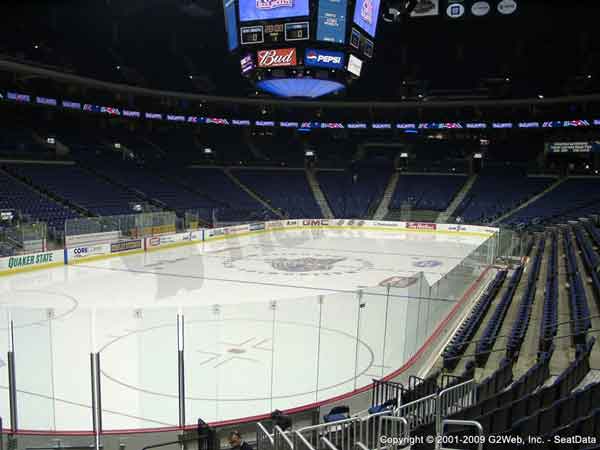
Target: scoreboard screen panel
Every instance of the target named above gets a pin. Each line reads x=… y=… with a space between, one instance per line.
x=367 y=48
x=231 y=24
x=252 y=35
x=272 y=9
x=297 y=31
x=355 y=38
x=366 y=15
x=273 y=33
x=331 y=25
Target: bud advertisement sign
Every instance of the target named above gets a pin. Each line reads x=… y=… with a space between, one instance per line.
x=326 y=59
x=281 y=57
x=272 y=9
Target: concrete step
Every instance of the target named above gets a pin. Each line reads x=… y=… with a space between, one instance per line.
x=550 y=188
x=458 y=198
x=318 y=194
x=251 y=193
x=383 y=207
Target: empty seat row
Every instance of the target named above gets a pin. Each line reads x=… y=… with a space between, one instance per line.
x=469 y=327
x=519 y=328
x=352 y=194
x=490 y=333
x=524 y=411
x=578 y=303
x=550 y=307
x=430 y=192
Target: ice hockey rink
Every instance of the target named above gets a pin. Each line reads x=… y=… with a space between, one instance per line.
x=270 y=321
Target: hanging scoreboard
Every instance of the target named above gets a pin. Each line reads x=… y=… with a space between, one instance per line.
x=302 y=48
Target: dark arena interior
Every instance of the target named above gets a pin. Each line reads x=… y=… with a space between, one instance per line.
x=299 y=224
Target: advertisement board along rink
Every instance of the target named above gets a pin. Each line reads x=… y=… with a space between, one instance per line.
x=259 y=310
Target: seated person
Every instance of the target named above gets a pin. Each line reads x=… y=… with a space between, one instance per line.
x=237 y=443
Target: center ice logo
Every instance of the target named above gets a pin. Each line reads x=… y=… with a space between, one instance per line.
x=306 y=264
x=297 y=264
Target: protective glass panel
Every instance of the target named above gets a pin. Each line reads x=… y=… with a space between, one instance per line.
x=4 y=349
x=339 y=345
x=34 y=368
x=71 y=368
x=244 y=370
x=138 y=357
x=295 y=352
x=374 y=308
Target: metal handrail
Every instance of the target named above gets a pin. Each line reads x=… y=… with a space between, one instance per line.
x=407 y=410
x=279 y=432
x=466 y=423
x=261 y=433
x=464 y=392
x=328 y=424
x=403 y=436
x=370 y=427
x=299 y=436
x=328 y=443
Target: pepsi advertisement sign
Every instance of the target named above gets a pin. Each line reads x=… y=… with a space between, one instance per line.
x=366 y=14
x=332 y=21
x=326 y=59
x=272 y=9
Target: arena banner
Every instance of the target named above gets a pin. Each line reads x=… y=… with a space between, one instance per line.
x=238 y=229
x=86 y=252
x=421 y=226
x=466 y=229
x=316 y=222
x=92 y=238
x=277 y=225
x=197 y=235
x=23 y=263
x=386 y=224
x=222 y=233
x=127 y=246
x=257 y=226
x=169 y=240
